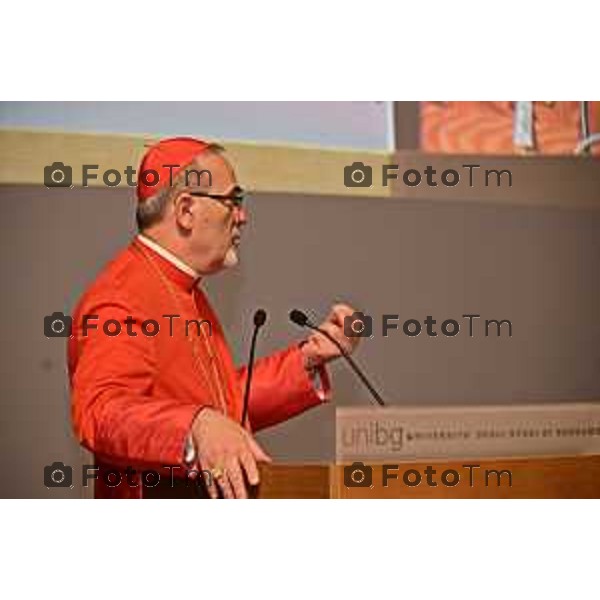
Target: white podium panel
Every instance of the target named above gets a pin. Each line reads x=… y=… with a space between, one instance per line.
x=412 y=433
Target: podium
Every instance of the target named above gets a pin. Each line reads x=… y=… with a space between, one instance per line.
x=545 y=477
x=534 y=451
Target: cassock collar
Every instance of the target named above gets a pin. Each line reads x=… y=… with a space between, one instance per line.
x=177 y=270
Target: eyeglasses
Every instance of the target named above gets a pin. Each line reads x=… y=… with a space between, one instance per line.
x=235 y=200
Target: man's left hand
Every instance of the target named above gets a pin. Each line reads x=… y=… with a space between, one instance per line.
x=318 y=350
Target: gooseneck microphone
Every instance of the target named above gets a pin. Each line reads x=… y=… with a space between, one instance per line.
x=299 y=318
x=260 y=316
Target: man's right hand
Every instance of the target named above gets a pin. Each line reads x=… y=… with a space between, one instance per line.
x=223 y=445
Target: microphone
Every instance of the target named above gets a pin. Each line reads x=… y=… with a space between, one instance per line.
x=260 y=316
x=299 y=318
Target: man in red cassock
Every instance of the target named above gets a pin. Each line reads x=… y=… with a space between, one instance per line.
x=152 y=378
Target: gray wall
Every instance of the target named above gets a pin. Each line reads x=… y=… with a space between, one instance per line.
x=536 y=267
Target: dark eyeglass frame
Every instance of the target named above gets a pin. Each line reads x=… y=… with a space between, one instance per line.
x=237 y=198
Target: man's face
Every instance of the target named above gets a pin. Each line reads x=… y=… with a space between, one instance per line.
x=217 y=224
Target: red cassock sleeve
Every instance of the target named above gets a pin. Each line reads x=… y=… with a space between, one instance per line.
x=119 y=412
x=116 y=413
x=281 y=388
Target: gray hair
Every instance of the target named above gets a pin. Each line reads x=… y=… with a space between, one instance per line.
x=151 y=210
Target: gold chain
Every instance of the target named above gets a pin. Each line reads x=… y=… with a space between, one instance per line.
x=217 y=380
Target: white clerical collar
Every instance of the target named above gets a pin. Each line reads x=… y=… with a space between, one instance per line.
x=174 y=260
